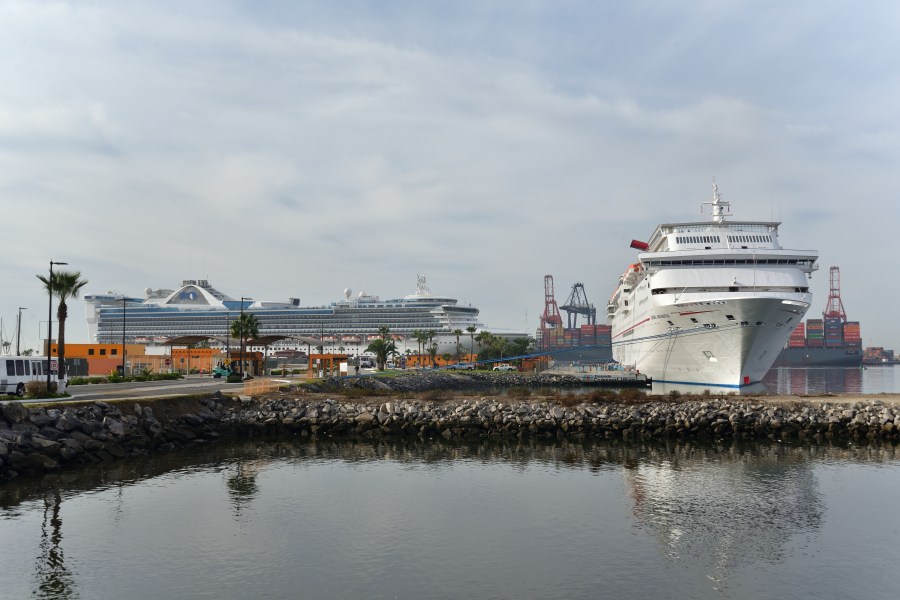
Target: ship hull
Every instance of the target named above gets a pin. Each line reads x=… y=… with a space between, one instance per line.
x=717 y=341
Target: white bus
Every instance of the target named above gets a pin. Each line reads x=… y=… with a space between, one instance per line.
x=16 y=371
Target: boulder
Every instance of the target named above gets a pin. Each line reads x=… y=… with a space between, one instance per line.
x=15 y=412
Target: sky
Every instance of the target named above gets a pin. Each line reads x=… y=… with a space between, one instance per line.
x=299 y=148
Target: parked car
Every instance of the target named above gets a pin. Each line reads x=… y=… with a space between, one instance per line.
x=504 y=367
x=461 y=367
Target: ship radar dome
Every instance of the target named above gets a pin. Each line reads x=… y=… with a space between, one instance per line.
x=148 y=291
x=347 y=293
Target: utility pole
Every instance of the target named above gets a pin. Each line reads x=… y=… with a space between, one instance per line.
x=19 y=329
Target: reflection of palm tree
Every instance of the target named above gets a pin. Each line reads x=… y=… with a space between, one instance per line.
x=242 y=486
x=54 y=579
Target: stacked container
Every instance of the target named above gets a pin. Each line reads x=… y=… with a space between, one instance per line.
x=834 y=332
x=798 y=336
x=852 y=337
x=572 y=337
x=815 y=333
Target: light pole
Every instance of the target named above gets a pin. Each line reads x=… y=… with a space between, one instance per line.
x=242 y=334
x=227 y=340
x=50 y=319
x=123 y=335
x=19 y=329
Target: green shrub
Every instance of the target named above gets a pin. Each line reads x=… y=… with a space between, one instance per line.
x=38 y=389
x=233 y=378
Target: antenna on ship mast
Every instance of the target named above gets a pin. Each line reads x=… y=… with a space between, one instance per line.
x=720 y=208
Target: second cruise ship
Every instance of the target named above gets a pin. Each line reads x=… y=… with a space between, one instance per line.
x=199 y=309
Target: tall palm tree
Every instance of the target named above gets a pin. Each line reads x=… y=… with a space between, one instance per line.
x=382 y=349
x=422 y=337
x=472 y=329
x=430 y=337
x=64 y=285
x=245 y=327
x=457 y=333
x=383 y=331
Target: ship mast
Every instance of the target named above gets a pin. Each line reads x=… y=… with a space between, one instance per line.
x=720 y=208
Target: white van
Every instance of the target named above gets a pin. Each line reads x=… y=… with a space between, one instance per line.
x=16 y=371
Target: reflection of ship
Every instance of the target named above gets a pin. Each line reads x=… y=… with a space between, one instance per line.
x=719 y=510
x=709 y=303
x=814 y=380
x=831 y=341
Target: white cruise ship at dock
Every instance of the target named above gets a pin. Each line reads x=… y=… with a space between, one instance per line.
x=709 y=303
x=199 y=309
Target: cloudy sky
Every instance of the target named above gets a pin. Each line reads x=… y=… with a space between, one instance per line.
x=294 y=149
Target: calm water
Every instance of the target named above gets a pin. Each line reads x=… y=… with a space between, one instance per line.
x=811 y=381
x=281 y=520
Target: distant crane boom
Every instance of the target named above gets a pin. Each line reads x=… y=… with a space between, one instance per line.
x=577 y=304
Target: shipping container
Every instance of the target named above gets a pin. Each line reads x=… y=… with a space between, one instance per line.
x=815 y=343
x=796 y=343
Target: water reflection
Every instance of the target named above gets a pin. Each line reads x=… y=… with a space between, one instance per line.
x=814 y=380
x=718 y=509
x=799 y=381
x=241 y=485
x=53 y=578
x=728 y=508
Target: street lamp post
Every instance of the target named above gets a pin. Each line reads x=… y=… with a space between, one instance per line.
x=123 y=335
x=50 y=319
x=227 y=340
x=242 y=334
x=19 y=330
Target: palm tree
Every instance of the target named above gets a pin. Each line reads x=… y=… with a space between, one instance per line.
x=421 y=337
x=457 y=333
x=245 y=327
x=65 y=284
x=383 y=331
x=430 y=337
x=382 y=349
x=472 y=329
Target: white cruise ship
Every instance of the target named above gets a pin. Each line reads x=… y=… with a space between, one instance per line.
x=198 y=309
x=709 y=303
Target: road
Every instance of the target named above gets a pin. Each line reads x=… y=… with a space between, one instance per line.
x=144 y=389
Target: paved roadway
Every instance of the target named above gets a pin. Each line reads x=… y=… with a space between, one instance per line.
x=193 y=384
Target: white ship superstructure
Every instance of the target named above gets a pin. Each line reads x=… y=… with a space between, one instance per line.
x=198 y=309
x=709 y=303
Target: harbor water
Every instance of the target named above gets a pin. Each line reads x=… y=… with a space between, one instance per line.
x=436 y=520
x=808 y=381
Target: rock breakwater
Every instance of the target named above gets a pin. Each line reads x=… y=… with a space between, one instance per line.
x=39 y=439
